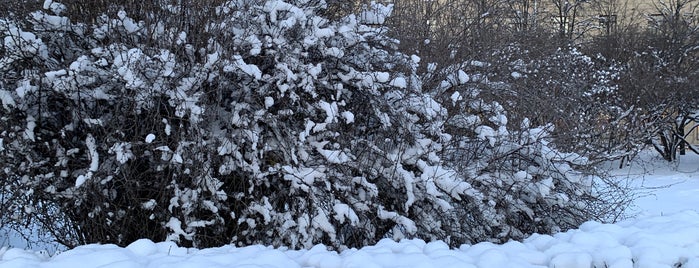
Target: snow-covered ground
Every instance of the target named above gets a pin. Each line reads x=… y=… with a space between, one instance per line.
x=663 y=188
x=664 y=232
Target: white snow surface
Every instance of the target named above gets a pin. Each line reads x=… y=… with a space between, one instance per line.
x=662 y=232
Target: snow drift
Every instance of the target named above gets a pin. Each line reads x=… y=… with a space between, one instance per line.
x=661 y=241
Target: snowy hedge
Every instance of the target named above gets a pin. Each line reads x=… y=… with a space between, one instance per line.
x=283 y=129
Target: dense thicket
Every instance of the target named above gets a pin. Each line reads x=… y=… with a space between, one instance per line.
x=268 y=123
x=610 y=75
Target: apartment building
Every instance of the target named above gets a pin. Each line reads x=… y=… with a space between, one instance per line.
x=571 y=18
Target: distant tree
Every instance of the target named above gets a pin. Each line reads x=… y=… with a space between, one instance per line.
x=569 y=18
x=661 y=79
x=446 y=32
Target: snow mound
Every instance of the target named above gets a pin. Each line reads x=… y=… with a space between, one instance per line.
x=659 y=241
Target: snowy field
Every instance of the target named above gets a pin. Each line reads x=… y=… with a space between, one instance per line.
x=663 y=232
x=663 y=188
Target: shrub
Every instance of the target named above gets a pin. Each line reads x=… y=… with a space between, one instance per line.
x=282 y=128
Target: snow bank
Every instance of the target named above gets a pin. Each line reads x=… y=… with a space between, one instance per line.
x=660 y=241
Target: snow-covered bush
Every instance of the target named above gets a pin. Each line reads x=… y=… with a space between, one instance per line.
x=520 y=182
x=283 y=128
x=563 y=86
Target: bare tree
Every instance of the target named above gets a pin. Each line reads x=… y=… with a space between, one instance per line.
x=524 y=14
x=570 y=18
x=660 y=79
x=444 y=32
